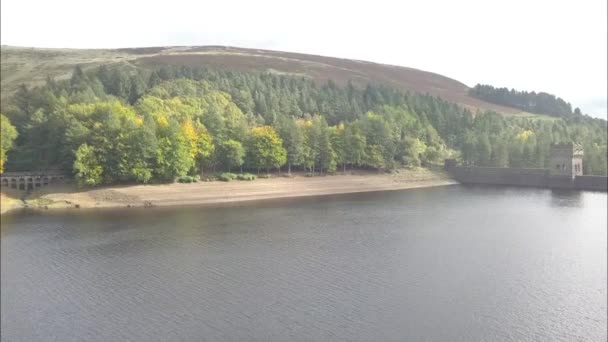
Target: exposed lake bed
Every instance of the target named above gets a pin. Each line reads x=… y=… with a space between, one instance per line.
x=445 y=263
x=63 y=196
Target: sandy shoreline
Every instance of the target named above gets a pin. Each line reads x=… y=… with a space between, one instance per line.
x=204 y=193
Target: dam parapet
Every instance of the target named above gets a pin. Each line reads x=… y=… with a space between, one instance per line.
x=541 y=178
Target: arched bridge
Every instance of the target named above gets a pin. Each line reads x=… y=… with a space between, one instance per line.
x=30 y=180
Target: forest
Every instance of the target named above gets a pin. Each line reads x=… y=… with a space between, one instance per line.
x=540 y=103
x=124 y=124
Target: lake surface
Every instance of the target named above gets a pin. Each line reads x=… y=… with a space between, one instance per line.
x=441 y=264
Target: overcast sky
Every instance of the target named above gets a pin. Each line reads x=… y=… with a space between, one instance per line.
x=544 y=45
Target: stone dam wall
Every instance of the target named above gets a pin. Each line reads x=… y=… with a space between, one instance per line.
x=591 y=183
x=525 y=177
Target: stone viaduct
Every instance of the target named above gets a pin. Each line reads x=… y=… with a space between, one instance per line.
x=30 y=180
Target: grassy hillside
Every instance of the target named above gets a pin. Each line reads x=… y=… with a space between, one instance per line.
x=32 y=65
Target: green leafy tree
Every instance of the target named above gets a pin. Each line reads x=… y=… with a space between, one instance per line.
x=309 y=150
x=173 y=157
x=87 y=167
x=293 y=140
x=79 y=81
x=432 y=154
x=378 y=133
x=266 y=148
x=354 y=145
x=500 y=153
x=141 y=146
x=206 y=147
x=484 y=150
x=137 y=90
x=470 y=154
x=120 y=84
x=338 y=143
x=409 y=151
x=231 y=154
x=8 y=134
x=374 y=157
x=325 y=155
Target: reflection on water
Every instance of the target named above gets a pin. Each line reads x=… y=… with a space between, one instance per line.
x=566 y=198
x=444 y=264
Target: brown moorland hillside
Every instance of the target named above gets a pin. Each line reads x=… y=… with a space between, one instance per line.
x=32 y=65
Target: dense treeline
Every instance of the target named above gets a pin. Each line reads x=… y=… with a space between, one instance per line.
x=541 y=103
x=124 y=124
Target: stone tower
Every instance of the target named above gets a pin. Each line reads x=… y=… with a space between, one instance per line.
x=566 y=160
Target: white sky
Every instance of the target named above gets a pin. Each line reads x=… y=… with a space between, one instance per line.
x=545 y=45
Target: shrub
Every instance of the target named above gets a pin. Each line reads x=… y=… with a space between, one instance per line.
x=188 y=179
x=264 y=176
x=226 y=177
x=246 y=177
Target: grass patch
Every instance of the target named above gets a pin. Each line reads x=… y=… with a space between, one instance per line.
x=39 y=202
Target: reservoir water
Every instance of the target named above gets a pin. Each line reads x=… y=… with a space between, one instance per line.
x=440 y=264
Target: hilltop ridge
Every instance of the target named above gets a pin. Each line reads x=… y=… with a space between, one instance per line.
x=32 y=65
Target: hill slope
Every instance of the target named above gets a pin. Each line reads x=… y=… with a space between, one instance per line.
x=32 y=65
